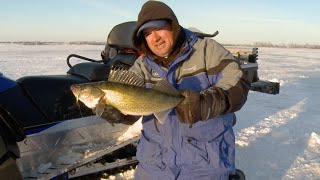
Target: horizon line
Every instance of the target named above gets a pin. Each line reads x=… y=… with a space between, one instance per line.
x=104 y=43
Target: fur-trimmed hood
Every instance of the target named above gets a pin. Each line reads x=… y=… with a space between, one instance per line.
x=155 y=10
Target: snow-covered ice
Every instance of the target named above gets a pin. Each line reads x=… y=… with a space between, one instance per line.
x=273 y=131
x=277 y=136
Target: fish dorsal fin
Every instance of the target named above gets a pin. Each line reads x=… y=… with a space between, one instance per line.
x=125 y=77
x=165 y=87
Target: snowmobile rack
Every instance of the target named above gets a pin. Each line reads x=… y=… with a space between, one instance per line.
x=248 y=61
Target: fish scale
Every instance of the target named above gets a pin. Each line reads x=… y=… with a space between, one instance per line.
x=136 y=100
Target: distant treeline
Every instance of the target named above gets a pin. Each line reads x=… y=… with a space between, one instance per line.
x=282 y=45
x=54 y=43
x=256 y=44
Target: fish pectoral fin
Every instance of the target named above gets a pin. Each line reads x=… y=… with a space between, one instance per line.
x=165 y=87
x=124 y=113
x=162 y=116
x=100 y=108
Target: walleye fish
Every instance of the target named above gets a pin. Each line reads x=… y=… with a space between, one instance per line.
x=125 y=91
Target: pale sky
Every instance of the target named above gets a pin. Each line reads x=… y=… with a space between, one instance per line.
x=246 y=21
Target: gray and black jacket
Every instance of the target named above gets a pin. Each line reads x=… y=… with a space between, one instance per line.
x=174 y=150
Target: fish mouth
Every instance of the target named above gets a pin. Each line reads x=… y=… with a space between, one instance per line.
x=75 y=89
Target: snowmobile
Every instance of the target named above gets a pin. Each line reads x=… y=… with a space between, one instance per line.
x=45 y=133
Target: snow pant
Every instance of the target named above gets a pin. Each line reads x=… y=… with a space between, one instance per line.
x=175 y=151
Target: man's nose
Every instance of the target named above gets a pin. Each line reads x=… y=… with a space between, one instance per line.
x=155 y=36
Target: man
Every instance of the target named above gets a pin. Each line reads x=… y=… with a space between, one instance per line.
x=196 y=141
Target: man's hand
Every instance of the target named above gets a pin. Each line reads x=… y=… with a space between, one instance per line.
x=201 y=106
x=114 y=116
x=189 y=110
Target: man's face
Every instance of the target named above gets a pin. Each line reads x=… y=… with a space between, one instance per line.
x=160 y=41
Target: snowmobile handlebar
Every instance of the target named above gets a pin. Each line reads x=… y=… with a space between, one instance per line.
x=81 y=57
x=205 y=35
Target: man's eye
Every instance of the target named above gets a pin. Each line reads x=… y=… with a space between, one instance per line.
x=146 y=34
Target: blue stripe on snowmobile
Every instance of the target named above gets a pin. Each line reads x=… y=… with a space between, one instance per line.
x=39 y=129
x=6 y=83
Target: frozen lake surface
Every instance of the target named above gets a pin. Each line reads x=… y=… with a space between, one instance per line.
x=277 y=136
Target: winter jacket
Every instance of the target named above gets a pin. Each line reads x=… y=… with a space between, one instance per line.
x=207 y=150
x=173 y=150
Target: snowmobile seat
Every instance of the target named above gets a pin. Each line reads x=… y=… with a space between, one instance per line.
x=52 y=97
x=91 y=71
x=119 y=52
x=120 y=36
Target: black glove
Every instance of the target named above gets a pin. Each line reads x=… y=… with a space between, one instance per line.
x=189 y=110
x=201 y=106
x=114 y=116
